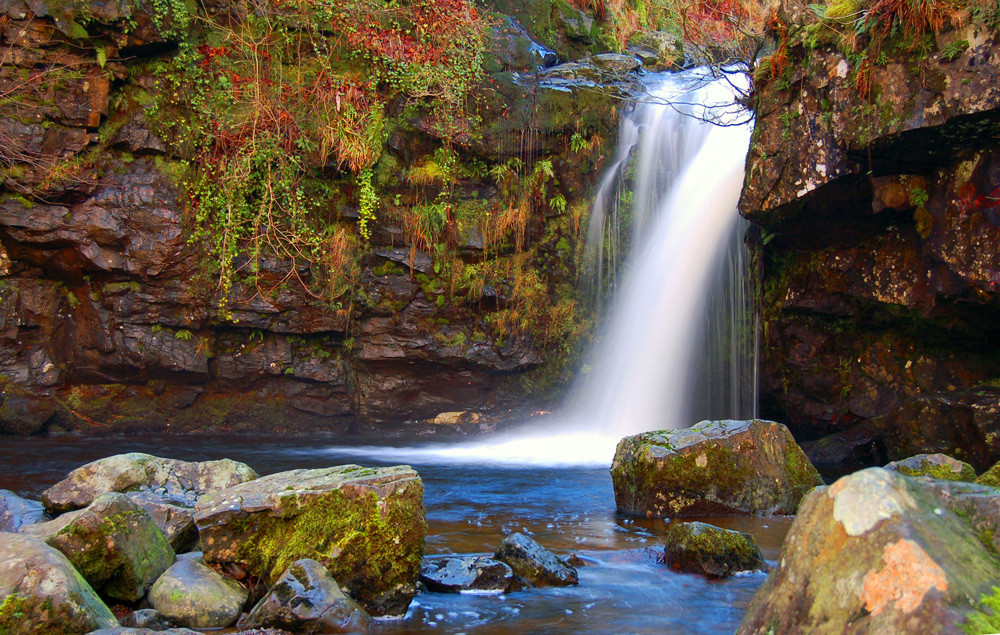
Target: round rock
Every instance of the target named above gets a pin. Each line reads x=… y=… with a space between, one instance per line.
x=191 y=594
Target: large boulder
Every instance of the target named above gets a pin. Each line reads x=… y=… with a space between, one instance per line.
x=192 y=595
x=16 y=512
x=23 y=412
x=365 y=525
x=166 y=488
x=712 y=468
x=41 y=593
x=113 y=543
x=534 y=563
x=711 y=551
x=879 y=552
x=306 y=598
x=939 y=466
x=137 y=471
x=455 y=574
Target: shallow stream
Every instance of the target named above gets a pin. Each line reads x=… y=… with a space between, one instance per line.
x=470 y=507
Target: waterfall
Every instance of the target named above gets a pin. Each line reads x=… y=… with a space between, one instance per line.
x=679 y=340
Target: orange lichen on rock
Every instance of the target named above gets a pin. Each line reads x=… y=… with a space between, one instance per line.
x=909 y=573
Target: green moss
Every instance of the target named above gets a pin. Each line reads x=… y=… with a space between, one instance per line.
x=985 y=616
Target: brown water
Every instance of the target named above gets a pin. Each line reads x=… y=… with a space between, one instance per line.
x=469 y=510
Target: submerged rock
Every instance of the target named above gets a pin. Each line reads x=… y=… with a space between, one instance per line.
x=365 y=525
x=42 y=593
x=137 y=471
x=454 y=574
x=713 y=468
x=534 y=563
x=193 y=595
x=878 y=552
x=307 y=599
x=16 y=512
x=113 y=543
x=939 y=466
x=712 y=551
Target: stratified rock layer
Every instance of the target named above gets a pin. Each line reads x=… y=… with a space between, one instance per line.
x=365 y=525
x=713 y=468
x=878 y=552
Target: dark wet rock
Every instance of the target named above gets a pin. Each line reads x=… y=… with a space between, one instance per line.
x=137 y=471
x=712 y=468
x=939 y=466
x=534 y=563
x=21 y=411
x=881 y=552
x=192 y=595
x=366 y=525
x=307 y=599
x=16 y=512
x=711 y=551
x=113 y=543
x=145 y=618
x=454 y=574
x=42 y=594
x=517 y=51
x=130 y=630
x=416 y=260
x=847 y=451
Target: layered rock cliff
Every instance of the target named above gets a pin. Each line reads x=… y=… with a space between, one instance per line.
x=874 y=175
x=435 y=273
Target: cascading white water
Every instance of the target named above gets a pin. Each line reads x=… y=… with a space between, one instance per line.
x=679 y=341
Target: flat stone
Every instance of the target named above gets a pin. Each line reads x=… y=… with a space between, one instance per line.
x=534 y=563
x=16 y=512
x=940 y=466
x=454 y=574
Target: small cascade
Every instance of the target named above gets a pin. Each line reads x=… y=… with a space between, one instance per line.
x=665 y=249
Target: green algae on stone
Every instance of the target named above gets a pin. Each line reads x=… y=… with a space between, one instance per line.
x=365 y=525
x=939 y=466
x=712 y=468
x=695 y=547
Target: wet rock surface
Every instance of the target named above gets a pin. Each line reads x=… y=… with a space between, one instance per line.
x=365 y=525
x=534 y=563
x=191 y=594
x=715 y=552
x=16 y=512
x=712 y=468
x=881 y=552
x=878 y=245
x=307 y=599
x=454 y=574
x=42 y=592
x=113 y=543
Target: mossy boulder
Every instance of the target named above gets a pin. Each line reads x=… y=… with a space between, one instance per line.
x=534 y=563
x=41 y=593
x=879 y=552
x=365 y=525
x=715 y=552
x=191 y=594
x=713 y=468
x=113 y=543
x=136 y=471
x=16 y=512
x=990 y=477
x=307 y=599
x=939 y=466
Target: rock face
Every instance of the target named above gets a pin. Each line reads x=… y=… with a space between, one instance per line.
x=711 y=551
x=937 y=466
x=112 y=315
x=41 y=592
x=876 y=187
x=712 y=468
x=366 y=526
x=534 y=563
x=307 y=599
x=881 y=552
x=113 y=543
x=454 y=574
x=190 y=594
x=16 y=512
